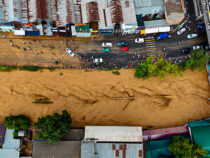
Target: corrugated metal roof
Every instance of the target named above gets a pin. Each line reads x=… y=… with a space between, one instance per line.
x=9 y=153
x=111 y=150
x=113 y=133
x=9 y=142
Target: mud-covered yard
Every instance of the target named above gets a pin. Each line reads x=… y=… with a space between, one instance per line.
x=103 y=98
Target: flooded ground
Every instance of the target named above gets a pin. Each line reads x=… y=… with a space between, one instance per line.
x=103 y=98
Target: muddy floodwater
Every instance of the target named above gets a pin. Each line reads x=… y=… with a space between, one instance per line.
x=103 y=98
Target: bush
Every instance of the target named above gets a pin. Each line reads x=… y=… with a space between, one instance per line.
x=29 y=68
x=116 y=72
x=7 y=68
x=53 y=127
x=182 y=148
x=155 y=66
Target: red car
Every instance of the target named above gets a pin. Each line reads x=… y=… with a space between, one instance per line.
x=124 y=48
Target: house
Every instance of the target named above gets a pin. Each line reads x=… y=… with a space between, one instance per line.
x=112 y=142
x=10 y=147
x=69 y=146
x=200 y=133
x=174 y=11
x=157 y=140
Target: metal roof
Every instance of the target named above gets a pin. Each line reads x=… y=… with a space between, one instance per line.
x=9 y=141
x=111 y=150
x=60 y=149
x=113 y=133
x=2 y=134
x=9 y=153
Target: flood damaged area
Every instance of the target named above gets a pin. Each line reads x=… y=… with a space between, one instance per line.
x=96 y=97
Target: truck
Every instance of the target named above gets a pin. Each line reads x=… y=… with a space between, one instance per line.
x=161 y=36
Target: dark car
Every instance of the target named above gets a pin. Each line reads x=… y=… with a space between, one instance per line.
x=122 y=43
x=186 y=50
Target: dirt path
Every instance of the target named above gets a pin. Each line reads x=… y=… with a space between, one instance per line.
x=102 y=98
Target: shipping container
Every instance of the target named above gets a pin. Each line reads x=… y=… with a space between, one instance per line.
x=32 y=33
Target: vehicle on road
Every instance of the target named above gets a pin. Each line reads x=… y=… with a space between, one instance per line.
x=197 y=47
x=106 y=50
x=186 y=50
x=124 y=48
x=70 y=52
x=139 y=40
x=106 y=44
x=122 y=43
x=161 y=36
x=181 y=31
x=193 y=35
x=97 y=60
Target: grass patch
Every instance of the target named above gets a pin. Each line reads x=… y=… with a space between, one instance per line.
x=51 y=68
x=42 y=101
x=7 y=68
x=116 y=72
x=87 y=70
x=29 y=68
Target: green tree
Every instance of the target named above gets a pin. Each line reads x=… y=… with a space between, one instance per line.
x=19 y=122
x=182 y=148
x=53 y=127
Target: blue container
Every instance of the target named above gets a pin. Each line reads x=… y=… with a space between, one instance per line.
x=32 y=33
x=162 y=36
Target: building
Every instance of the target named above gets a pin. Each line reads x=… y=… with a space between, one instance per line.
x=69 y=146
x=157 y=141
x=174 y=11
x=200 y=133
x=10 y=147
x=112 y=142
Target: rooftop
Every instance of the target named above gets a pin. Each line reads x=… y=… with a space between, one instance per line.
x=113 y=133
x=9 y=153
x=9 y=141
x=111 y=150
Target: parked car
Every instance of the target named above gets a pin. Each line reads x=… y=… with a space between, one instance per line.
x=197 y=47
x=181 y=31
x=122 y=43
x=97 y=60
x=139 y=40
x=193 y=35
x=162 y=36
x=186 y=50
x=106 y=44
x=70 y=52
x=124 y=48
x=106 y=50
x=200 y=26
x=207 y=47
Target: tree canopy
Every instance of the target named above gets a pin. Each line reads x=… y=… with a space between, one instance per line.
x=53 y=127
x=197 y=60
x=155 y=66
x=19 y=122
x=182 y=148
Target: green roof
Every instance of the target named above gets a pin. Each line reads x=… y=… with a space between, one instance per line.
x=201 y=135
x=83 y=28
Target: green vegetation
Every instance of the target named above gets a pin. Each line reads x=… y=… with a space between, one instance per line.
x=155 y=66
x=182 y=148
x=7 y=68
x=197 y=60
x=19 y=122
x=29 y=68
x=116 y=72
x=108 y=69
x=42 y=101
x=53 y=127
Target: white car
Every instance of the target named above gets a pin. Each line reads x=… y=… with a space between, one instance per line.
x=193 y=35
x=197 y=47
x=70 y=52
x=181 y=31
x=106 y=44
x=139 y=40
x=97 y=60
